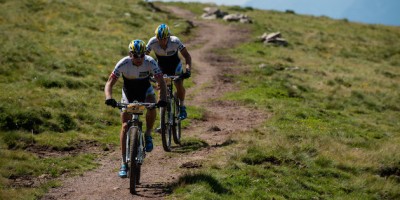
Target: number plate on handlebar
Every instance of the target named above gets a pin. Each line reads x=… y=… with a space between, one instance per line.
x=168 y=80
x=135 y=109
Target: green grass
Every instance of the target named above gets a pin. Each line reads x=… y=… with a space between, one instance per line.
x=30 y=193
x=55 y=59
x=333 y=94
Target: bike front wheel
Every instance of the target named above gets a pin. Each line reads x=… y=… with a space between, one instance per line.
x=134 y=166
x=177 y=129
x=165 y=127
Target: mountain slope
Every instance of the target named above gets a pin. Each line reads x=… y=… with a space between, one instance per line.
x=329 y=98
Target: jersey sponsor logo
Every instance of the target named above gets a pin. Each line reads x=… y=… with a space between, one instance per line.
x=170 y=53
x=143 y=74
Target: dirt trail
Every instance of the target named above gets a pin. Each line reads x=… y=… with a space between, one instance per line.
x=160 y=168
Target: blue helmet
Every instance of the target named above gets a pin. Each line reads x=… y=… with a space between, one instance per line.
x=162 y=31
x=137 y=47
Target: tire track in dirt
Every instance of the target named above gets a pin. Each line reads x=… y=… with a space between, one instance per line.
x=162 y=169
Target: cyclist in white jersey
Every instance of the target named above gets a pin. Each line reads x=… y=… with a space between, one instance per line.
x=166 y=48
x=136 y=70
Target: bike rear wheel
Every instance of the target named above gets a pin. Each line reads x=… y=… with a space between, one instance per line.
x=134 y=166
x=176 y=122
x=165 y=127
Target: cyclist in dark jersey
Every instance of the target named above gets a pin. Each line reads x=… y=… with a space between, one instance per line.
x=136 y=70
x=166 y=48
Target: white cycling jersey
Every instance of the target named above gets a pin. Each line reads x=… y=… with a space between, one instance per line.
x=136 y=78
x=173 y=46
x=167 y=58
x=128 y=70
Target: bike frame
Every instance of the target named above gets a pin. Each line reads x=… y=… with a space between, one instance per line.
x=174 y=112
x=169 y=115
x=135 y=144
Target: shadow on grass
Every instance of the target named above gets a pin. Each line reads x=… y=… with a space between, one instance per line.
x=226 y=143
x=390 y=171
x=188 y=179
x=154 y=190
x=189 y=145
x=195 y=144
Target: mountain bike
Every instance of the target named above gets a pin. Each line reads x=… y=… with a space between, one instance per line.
x=135 y=142
x=169 y=115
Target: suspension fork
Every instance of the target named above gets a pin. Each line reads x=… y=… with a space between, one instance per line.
x=141 y=151
x=171 y=92
x=170 y=106
x=131 y=123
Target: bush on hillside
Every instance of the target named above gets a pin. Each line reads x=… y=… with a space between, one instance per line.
x=36 y=121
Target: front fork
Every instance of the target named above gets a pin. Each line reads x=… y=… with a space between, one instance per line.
x=141 y=151
x=170 y=107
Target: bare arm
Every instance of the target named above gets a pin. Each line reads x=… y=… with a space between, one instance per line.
x=108 y=88
x=163 y=87
x=188 y=59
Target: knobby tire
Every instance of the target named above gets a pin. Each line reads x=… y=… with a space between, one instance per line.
x=134 y=167
x=176 y=127
x=165 y=126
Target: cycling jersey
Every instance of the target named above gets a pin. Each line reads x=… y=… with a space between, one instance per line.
x=136 y=78
x=168 y=59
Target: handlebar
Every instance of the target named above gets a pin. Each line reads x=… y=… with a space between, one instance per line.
x=121 y=105
x=174 y=78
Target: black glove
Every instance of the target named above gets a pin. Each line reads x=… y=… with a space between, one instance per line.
x=162 y=103
x=186 y=75
x=111 y=102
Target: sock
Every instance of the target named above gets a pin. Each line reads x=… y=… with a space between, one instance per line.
x=181 y=103
x=148 y=132
x=123 y=159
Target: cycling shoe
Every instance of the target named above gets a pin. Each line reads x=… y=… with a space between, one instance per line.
x=122 y=171
x=149 y=143
x=182 y=114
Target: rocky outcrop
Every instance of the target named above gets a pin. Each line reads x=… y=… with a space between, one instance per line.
x=212 y=13
x=273 y=38
x=237 y=18
x=215 y=13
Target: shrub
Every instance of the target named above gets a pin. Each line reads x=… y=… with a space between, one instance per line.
x=66 y=122
x=14 y=140
x=26 y=120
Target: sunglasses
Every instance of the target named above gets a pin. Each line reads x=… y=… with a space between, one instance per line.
x=137 y=55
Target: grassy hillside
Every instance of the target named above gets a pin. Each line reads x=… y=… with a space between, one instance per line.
x=334 y=95
x=55 y=59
